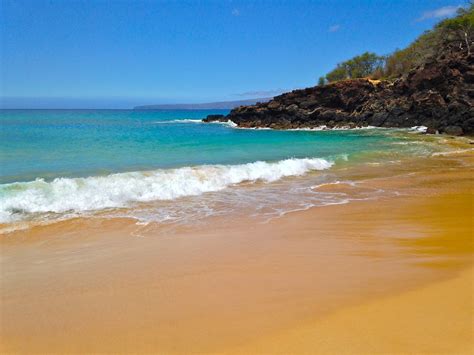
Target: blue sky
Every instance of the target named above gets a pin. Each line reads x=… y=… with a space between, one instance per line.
x=117 y=54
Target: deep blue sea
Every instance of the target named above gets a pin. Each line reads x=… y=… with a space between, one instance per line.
x=167 y=165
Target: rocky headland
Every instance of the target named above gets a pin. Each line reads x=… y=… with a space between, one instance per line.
x=438 y=94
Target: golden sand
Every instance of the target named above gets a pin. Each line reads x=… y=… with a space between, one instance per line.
x=387 y=276
x=432 y=319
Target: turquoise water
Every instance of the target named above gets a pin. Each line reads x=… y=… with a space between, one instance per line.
x=57 y=162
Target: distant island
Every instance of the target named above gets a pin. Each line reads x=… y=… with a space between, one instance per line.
x=205 y=106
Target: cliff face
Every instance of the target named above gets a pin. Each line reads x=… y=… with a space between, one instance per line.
x=438 y=94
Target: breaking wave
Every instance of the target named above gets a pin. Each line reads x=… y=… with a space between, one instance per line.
x=178 y=121
x=123 y=189
x=224 y=123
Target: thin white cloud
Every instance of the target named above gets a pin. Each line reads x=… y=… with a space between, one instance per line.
x=444 y=11
x=235 y=12
x=334 y=28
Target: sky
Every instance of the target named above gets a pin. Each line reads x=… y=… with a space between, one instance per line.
x=122 y=53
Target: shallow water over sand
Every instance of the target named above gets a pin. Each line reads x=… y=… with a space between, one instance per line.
x=167 y=167
x=230 y=284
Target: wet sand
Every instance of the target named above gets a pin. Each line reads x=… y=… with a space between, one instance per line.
x=391 y=275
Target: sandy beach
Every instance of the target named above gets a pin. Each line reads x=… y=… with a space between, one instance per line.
x=237 y=177
x=392 y=275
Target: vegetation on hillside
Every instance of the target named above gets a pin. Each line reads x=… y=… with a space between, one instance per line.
x=358 y=67
x=453 y=34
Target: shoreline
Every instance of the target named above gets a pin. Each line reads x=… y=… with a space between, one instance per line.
x=308 y=167
x=111 y=285
x=420 y=97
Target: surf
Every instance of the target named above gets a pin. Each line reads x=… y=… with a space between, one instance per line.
x=121 y=190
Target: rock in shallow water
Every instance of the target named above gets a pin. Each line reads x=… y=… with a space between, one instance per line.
x=215 y=118
x=454 y=130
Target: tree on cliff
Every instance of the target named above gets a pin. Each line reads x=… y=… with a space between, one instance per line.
x=402 y=60
x=460 y=29
x=453 y=34
x=358 y=67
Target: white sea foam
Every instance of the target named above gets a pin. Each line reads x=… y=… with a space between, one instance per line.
x=309 y=129
x=318 y=128
x=255 y=128
x=226 y=123
x=74 y=195
x=421 y=129
x=232 y=124
x=337 y=182
x=452 y=152
x=178 y=121
x=326 y=128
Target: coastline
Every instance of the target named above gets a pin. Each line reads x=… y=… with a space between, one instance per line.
x=420 y=97
x=97 y=285
x=269 y=214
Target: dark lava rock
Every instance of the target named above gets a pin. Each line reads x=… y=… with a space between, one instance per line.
x=438 y=95
x=453 y=130
x=214 y=118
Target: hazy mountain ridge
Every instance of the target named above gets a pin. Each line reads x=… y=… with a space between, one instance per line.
x=204 y=106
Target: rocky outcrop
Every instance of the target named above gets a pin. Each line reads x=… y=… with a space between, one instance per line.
x=438 y=94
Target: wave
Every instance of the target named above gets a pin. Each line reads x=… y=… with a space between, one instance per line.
x=187 y=120
x=326 y=128
x=232 y=124
x=337 y=182
x=224 y=123
x=75 y=195
x=305 y=129
x=421 y=129
x=453 y=152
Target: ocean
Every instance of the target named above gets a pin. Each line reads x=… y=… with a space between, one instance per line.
x=169 y=167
